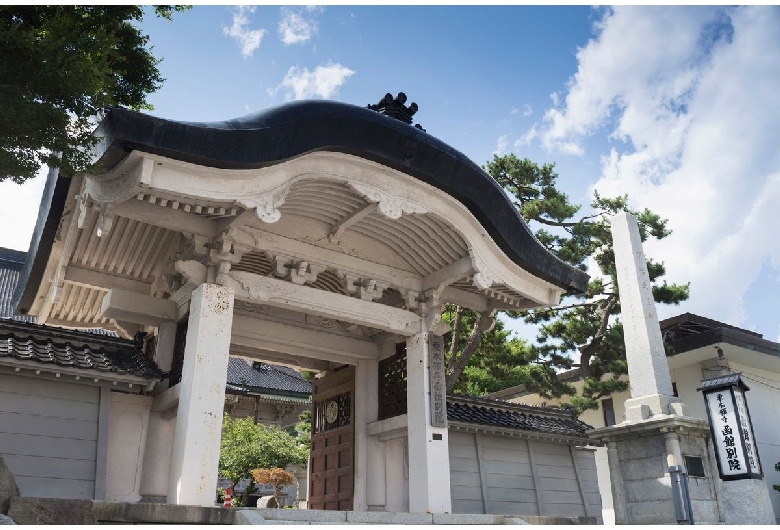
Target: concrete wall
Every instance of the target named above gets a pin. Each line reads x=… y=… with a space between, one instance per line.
x=504 y=475
x=50 y=437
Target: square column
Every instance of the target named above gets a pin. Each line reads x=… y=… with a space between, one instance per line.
x=429 y=455
x=195 y=457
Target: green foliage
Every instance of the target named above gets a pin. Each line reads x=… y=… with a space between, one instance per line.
x=584 y=323
x=497 y=363
x=60 y=66
x=302 y=429
x=246 y=446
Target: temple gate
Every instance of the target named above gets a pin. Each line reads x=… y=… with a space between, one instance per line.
x=319 y=235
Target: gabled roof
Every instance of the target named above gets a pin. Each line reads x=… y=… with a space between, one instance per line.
x=257 y=377
x=515 y=417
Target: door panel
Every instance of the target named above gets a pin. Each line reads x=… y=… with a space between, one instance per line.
x=331 y=463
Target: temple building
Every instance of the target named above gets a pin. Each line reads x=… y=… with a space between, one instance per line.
x=316 y=235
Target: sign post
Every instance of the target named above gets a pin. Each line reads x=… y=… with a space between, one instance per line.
x=731 y=427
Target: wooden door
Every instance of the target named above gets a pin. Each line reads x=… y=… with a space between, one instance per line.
x=331 y=465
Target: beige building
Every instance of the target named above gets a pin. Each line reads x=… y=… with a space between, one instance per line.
x=703 y=348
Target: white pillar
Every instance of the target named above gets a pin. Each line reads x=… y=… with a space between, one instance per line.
x=166 y=339
x=429 y=456
x=195 y=457
x=648 y=371
x=366 y=447
x=159 y=439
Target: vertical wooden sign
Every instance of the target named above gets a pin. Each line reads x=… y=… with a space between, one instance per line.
x=437 y=380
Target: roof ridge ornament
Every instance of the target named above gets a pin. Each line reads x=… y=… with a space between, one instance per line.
x=396 y=108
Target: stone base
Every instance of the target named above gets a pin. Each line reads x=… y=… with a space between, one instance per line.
x=640 y=454
x=35 y=510
x=646 y=407
x=747 y=502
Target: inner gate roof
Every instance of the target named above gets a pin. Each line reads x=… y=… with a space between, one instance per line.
x=289 y=131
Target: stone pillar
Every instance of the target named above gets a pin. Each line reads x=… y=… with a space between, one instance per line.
x=159 y=439
x=429 y=457
x=648 y=371
x=673 y=452
x=195 y=457
x=618 y=488
x=166 y=337
x=366 y=411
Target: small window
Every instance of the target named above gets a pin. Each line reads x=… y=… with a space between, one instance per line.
x=695 y=466
x=609 y=412
x=674 y=390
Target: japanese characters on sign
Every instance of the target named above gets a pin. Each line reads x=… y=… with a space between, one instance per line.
x=747 y=433
x=437 y=381
x=725 y=433
x=732 y=432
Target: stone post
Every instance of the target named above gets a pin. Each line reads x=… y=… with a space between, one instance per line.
x=195 y=457
x=618 y=488
x=159 y=437
x=673 y=452
x=648 y=371
x=366 y=411
x=429 y=457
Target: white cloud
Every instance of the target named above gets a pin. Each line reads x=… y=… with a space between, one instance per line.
x=501 y=145
x=295 y=27
x=323 y=81
x=248 y=39
x=699 y=119
x=514 y=111
x=527 y=110
x=527 y=138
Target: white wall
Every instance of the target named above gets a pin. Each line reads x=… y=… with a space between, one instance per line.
x=127 y=429
x=764 y=406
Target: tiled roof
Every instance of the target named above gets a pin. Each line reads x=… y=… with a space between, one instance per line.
x=49 y=345
x=505 y=415
x=21 y=338
x=244 y=377
x=11 y=263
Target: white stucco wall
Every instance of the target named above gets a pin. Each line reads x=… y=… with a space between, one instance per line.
x=128 y=426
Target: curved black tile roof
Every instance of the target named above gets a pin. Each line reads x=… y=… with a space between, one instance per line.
x=505 y=415
x=49 y=345
x=292 y=130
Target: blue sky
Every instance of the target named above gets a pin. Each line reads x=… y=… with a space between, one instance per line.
x=675 y=106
